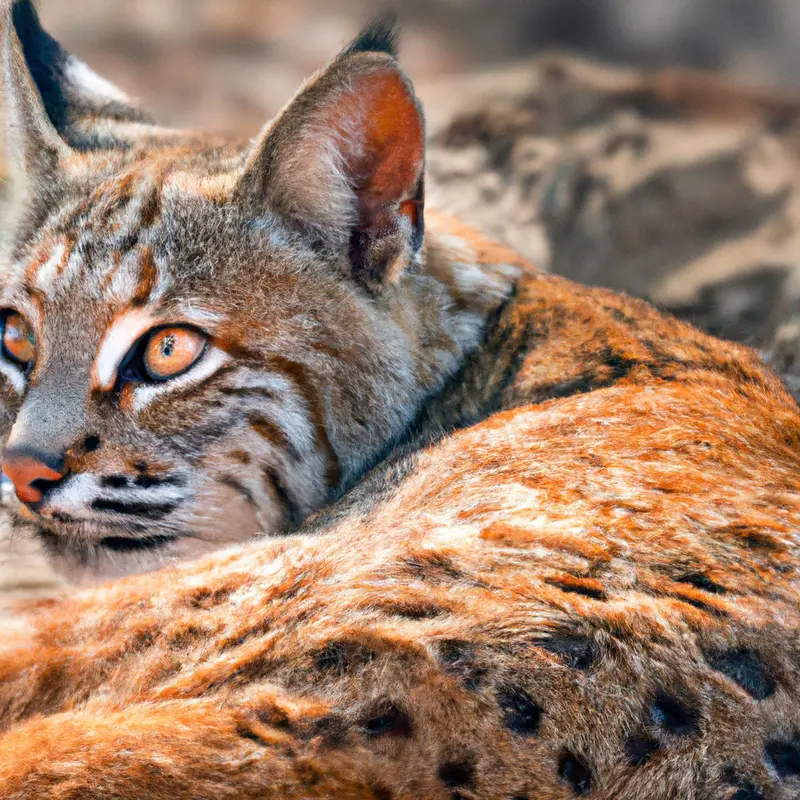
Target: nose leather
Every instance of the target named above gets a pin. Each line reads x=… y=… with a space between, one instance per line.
x=23 y=469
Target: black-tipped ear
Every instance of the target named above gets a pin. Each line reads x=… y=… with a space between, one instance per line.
x=69 y=89
x=346 y=160
x=380 y=36
x=55 y=103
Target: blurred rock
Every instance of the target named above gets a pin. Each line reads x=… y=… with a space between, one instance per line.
x=673 y=185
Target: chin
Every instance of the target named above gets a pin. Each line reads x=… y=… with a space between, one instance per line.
x=115 y=557
x=86 y=553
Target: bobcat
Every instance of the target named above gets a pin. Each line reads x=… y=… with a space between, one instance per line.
x=567 y=561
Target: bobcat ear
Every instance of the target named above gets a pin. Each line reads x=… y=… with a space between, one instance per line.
x=346 y=160
x=54 y=102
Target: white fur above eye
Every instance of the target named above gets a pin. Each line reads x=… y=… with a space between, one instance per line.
x=209 y=363
x=116 y=344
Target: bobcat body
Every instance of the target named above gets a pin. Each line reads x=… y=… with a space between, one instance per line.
x=572 y=570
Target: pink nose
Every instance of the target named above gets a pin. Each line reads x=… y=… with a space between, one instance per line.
x=25 y=471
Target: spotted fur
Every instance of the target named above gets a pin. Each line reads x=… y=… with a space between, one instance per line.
x=575 y=574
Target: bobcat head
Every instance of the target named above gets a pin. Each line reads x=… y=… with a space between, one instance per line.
x=203 y=340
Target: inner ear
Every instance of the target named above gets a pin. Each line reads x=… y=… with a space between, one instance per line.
x=381 y=135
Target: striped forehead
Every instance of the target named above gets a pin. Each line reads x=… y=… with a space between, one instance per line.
x=65 y=268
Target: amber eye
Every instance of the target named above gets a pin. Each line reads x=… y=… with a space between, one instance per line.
x=171 y=351
x=18 y=342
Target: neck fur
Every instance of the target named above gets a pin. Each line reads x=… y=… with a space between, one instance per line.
x=457 y=289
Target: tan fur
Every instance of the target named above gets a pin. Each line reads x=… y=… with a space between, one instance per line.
x=575 y=573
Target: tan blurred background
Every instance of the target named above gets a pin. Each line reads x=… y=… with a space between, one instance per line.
x=231 y=62
x=615 y=169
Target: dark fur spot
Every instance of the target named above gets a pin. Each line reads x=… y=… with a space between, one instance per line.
x=342 y=656
x=640 y=749
x=747 y=794
x=457 y=773
x=620 y=316
x=576 y=651
x=577 y=588
x=744 y=667
x=332 y=729
x=784 y=756
x=758 y=540
x=91 y=443
x=432 y=567
x=275 y=717
x=208 y=598
x=388 y=720
x=459 y=659
x=60 y=516
x=575 y=772
x=246 y=733
x=382 y=793
x=702 y=582
x=186 y=637
x=669 y=714
x=413 y=610
x=114 y=481
x=699 y=604
x=521 y=713
x=128 y=544
x=149 y=481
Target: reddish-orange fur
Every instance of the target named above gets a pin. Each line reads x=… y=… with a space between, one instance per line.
x=596 y=558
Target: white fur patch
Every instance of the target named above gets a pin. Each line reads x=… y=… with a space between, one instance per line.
x=82 y=76
x=14 y=376
x=48 y=271
x=118 y=340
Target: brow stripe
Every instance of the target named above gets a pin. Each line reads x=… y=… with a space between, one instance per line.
x=116 y=263
x=267 y=429
x=148 y=278
x=62 y=267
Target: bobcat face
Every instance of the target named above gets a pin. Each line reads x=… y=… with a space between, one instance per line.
x=202 y=341
x=165 y=400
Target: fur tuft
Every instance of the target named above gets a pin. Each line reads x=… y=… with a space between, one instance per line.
x=380 y=36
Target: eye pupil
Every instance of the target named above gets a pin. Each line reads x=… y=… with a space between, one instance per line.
x=168 y=346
